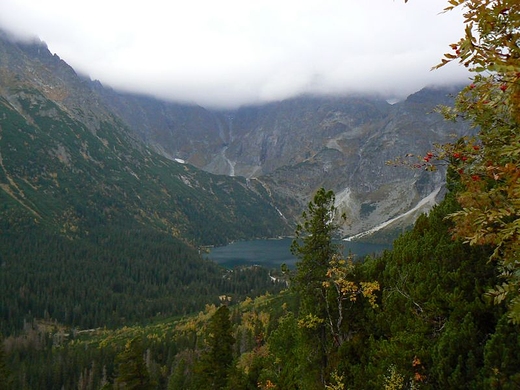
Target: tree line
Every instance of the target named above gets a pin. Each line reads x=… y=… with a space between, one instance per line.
x=440 y=310
x=111 y=278
x=414 y=317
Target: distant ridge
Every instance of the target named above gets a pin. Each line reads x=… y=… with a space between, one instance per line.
x=292 y=147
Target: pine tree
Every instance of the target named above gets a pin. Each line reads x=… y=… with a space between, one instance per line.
x=178 y=379
x=315 y=249
x=133 y=373
x=215 y=363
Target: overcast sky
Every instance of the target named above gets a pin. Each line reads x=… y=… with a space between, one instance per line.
x=234 y=52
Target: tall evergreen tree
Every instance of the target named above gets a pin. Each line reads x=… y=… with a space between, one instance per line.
x=133 y=373
x=315 y=249
x=215 y=364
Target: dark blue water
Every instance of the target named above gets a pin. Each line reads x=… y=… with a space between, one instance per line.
x=274 y=253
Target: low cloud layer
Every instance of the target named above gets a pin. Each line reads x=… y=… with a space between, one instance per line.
x=235 y=52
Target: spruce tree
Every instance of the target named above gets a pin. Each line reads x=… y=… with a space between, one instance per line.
x=215 y=363
x=133 y=373
x=315 y=248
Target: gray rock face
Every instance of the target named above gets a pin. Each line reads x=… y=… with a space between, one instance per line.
x=70 y=164
x=291 y=147
x=294 y=147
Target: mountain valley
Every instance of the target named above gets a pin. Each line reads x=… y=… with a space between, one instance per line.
x=294 y=147
x=84 y=169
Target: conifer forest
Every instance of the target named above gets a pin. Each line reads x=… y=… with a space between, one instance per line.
x=145 y=310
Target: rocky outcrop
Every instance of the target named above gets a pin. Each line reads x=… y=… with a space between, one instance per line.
x=290 y=147
x=295 y=146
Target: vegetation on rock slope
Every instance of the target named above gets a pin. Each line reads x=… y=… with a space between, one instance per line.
x=424 y=324
x=98 y=230
x=415 y=317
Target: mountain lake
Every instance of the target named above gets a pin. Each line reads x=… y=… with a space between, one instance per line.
x=272 y=253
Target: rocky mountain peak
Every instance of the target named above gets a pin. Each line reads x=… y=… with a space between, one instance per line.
x=290 y=148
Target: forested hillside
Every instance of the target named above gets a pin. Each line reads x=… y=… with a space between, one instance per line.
x=414 y=317
x=95 y=228
x=96 y=231
x=441 y=310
